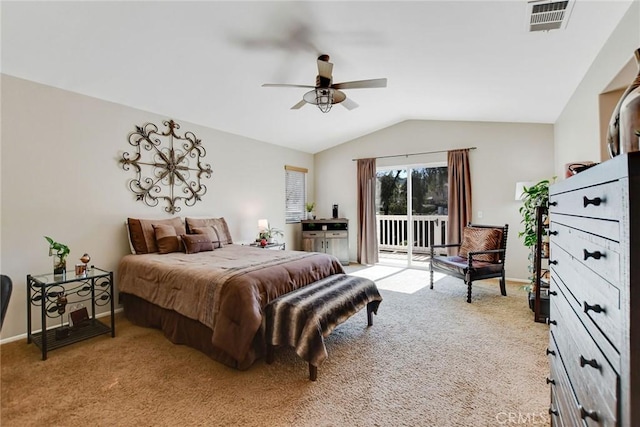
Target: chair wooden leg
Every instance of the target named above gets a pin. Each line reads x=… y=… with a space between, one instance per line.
x=469 y=292
x=313 y=372
x=270 y=355
x=503 y=288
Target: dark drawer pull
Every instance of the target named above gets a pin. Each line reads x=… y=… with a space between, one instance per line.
x=550 y=352
x=552 y=322
x=550 y=381
x=585 y=413
x=553 y=203
x=553 y=412
x=594 y=255
x=554 y=293
x=595 y=201
x=553 y=262
x=553 y=233
x=584 y=362
x=596 y=308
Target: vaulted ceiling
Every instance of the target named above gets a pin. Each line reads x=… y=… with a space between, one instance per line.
x=205 y=61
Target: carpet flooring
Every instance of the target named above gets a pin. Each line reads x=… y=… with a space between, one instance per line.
x=430 y=359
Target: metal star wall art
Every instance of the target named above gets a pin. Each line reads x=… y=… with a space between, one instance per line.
x=170 y=172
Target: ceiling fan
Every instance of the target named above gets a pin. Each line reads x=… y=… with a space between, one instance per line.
x=326 y=93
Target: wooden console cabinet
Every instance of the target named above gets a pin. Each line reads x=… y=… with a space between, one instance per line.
x=330 y=236
x=594 y=342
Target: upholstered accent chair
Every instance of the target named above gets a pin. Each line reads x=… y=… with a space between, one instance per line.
x=481 y=255
x=6 y=286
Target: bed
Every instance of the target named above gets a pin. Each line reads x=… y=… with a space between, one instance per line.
x=212 y=300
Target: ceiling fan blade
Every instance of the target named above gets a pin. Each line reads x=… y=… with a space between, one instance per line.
x=361 y=84
x=349 y=104
x=299 y=105
x=325 y=68
x=286 y=85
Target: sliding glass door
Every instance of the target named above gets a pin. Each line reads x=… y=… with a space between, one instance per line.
x=411 y=206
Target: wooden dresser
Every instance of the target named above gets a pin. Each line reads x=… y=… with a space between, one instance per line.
x=594 y=342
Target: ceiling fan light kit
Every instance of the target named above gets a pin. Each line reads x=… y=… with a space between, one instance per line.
x=324 y=98
x=325 y=93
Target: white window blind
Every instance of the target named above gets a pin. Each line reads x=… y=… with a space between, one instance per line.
x=296 y=193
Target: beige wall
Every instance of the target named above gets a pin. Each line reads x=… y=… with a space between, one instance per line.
x=506 y=153
x=577 y=130
x=61 y=178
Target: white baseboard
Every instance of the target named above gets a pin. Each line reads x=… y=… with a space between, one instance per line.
x=24 y=336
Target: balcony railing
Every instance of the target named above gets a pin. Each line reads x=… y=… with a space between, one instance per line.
x=428 y=230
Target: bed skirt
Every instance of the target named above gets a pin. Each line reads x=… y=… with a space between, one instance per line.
x=182 y=330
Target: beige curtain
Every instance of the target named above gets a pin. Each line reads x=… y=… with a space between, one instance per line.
x=460 y=212
x=367 y=240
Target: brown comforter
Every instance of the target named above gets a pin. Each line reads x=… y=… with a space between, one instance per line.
x=225 y=289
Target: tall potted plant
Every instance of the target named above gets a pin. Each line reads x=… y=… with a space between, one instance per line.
x=532 y=197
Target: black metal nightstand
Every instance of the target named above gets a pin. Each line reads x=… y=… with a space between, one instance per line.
x=55 y=294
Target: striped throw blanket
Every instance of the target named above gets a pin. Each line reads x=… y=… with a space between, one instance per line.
x=304 y=317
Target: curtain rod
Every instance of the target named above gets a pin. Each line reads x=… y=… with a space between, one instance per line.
x=415 y=154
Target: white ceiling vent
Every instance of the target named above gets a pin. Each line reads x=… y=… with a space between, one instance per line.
x=545 y=15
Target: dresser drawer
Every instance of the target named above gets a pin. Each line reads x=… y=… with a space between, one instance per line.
x=602 y=201
x=599 y=227
x=599 y=254
x=557 y=411
x=337 y=234
x=589 y=294
x=564 y=406
x=593 y=380
x=558 y=290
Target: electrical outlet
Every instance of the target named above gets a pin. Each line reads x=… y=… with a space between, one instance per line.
x=479 y=214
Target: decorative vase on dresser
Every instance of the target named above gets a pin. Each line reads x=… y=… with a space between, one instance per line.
x=630 y=115
x=625 y=119
x=594 y=338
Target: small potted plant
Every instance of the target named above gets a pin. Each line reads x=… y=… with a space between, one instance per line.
x=268 y=234
x=309 y=206
x=59 y=252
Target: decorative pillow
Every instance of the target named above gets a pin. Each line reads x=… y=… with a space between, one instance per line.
x=211 y=233
x=142 y=234
x=166 y=238
x=218 y=223
x=133 y=250
x=481 y=239
x=194 y=243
